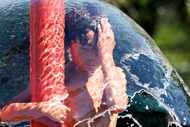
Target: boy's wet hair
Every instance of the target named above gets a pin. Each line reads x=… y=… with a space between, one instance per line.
x=78 y=20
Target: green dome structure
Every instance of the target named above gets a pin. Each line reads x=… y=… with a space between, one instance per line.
x=158 y=96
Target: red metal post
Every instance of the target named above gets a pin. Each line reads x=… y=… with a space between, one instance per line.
x=46 y=50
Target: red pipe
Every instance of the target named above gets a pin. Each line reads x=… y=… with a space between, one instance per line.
x=46 y=50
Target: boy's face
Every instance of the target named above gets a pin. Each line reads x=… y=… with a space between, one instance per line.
x=85 y=56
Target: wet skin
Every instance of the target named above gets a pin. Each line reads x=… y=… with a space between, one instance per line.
x=93 y=81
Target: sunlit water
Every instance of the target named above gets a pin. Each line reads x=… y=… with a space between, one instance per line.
x=127 y=119
x=155 y=89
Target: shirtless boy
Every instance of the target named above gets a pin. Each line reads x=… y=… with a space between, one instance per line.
x=94 y=83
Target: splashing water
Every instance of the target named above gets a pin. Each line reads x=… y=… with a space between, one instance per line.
x=145 y=66
x=129 y=118
x=90 y=120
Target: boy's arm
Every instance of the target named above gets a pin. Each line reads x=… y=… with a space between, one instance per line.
x=115 y=91
x=16 y=112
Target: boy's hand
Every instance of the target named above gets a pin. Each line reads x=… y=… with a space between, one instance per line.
x=106 y=42
x=55 y=110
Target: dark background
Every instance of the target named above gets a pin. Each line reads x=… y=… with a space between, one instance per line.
x=168 y=22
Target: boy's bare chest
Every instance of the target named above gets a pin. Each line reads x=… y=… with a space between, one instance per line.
x=75 y=79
